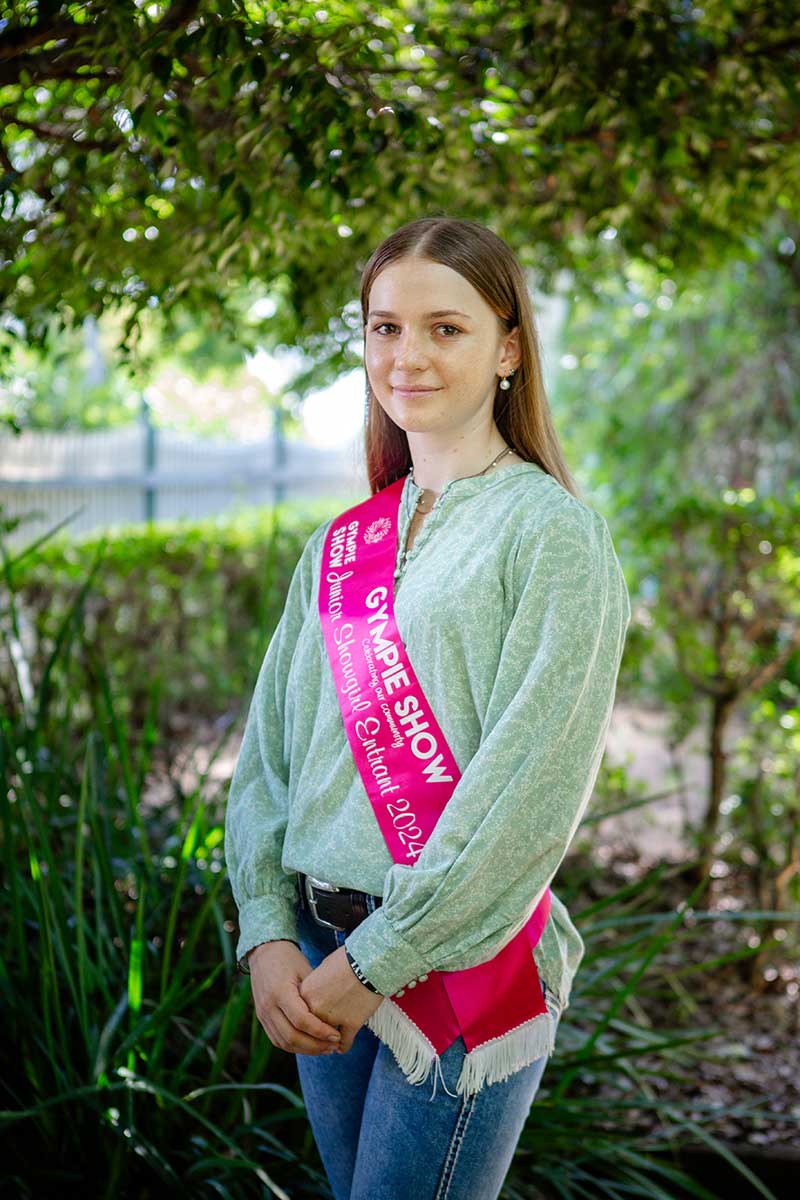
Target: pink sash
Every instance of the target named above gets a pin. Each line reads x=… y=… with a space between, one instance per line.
x=409 y=773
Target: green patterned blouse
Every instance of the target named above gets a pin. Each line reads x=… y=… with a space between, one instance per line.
x=513 y=608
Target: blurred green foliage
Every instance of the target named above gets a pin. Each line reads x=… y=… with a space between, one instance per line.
x=78 y=381
x=670 y=382
x=57 y=388
x=166 y=156
x=189 y=606
x=680 y=398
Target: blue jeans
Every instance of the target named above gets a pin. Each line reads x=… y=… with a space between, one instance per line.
x=383 y=1138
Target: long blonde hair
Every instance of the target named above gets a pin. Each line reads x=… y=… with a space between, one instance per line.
x=522 y=413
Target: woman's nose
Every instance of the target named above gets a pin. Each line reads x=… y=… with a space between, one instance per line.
x=409 y=351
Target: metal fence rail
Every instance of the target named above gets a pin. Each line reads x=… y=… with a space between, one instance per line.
x=137 y=473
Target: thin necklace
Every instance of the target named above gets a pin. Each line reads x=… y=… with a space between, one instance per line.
x=418 y=507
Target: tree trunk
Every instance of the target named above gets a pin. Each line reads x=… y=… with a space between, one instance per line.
x=721 y=710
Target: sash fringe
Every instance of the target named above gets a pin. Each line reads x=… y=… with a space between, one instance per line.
x=414 y=1052
x=500 y=1057
x=488 y=1063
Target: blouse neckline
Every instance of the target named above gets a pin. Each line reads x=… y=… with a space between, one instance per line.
x=465 y=486
x=468 y=485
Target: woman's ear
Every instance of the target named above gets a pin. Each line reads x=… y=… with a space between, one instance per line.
x=511 y=355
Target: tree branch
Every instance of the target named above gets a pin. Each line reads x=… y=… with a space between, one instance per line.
x=18 y=41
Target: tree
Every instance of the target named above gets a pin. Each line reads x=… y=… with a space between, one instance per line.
x=166 y=156
x=684 y=403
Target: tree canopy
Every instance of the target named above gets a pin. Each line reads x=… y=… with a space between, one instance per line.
x=170 y=157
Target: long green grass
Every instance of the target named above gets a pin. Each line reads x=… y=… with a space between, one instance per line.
x=603 y=1123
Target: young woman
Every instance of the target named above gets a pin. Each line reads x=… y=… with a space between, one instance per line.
x=501 y=631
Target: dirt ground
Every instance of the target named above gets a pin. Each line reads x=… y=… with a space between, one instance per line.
x=755 y=1005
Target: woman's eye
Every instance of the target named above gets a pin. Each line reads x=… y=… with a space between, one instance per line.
x=386 y=325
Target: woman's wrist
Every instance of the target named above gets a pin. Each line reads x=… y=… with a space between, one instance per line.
x=244 y=962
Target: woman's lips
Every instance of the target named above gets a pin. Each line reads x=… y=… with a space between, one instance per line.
x=400 y=391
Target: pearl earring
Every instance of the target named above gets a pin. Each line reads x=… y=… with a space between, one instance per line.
x=504 y=384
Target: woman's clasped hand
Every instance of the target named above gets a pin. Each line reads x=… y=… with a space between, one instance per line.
x=305 y=1009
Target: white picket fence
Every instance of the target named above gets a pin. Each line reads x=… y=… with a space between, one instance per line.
x=102 y=479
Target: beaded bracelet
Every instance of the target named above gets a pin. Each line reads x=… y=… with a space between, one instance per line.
x=359 y=974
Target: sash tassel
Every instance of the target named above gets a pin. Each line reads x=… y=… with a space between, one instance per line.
x=491 y=1062
x=495 y=1060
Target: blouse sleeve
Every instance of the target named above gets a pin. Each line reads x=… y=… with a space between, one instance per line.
x=513 y=813
x=258 y=799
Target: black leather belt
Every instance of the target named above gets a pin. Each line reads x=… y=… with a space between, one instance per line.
x=333 y=907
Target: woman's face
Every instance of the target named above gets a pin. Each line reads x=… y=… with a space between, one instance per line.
x=428 y=328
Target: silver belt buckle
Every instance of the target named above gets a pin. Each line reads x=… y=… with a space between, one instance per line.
x=308 y=881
